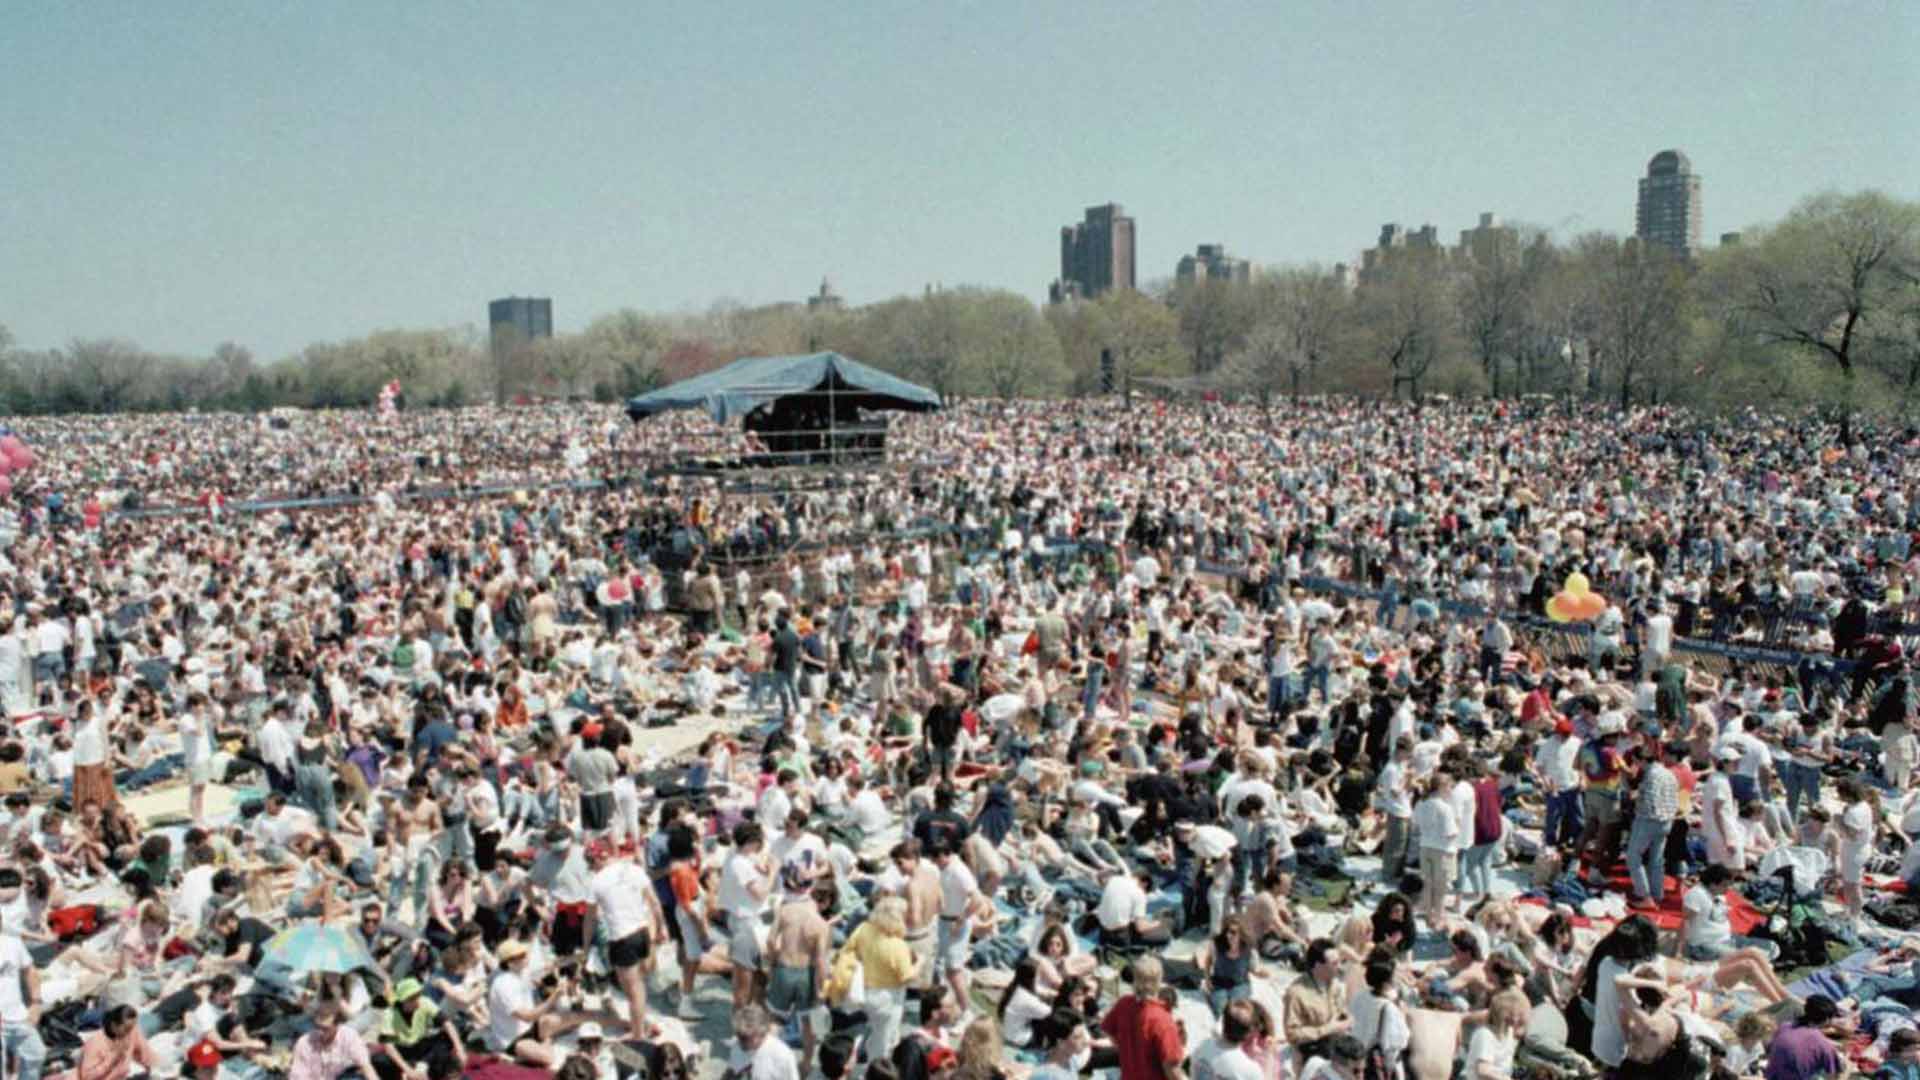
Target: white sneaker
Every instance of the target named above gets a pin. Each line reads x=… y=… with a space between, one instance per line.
x=688 y=1009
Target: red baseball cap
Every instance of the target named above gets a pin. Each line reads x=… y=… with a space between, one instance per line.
x=204 y=1055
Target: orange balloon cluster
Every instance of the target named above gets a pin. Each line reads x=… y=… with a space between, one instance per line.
x=1575 y=602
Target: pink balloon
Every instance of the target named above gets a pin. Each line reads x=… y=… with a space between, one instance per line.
x=618 y=589
x=10 y=443
x=5 y=465
x=22 y=460
x=6 y=487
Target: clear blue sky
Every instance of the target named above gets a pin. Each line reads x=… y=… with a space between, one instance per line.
x=276 y=174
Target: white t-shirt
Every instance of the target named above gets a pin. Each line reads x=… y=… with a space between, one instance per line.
x=1439 y=829
x=1122 y=902
x=14 y=963
x=738 y=880
x=196 y=744
x=771 y=1060
x=870 y=812
x=1856 y=835
x=1485 y=1046
x=806 y=851
x=775 y=805
x=190 y=899
x=1660 y=634
x=510 y=993
x=957 y=887
x=1609 y=1038
x=1236 y=1065
x=620 y=891
x=1395 y=801
x=1023 y=1008
x=1379 y=1023
x=1707 y=922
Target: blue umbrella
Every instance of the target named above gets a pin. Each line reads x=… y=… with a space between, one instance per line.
x=299 y=951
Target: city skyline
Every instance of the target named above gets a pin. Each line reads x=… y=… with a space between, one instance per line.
x=283 y=178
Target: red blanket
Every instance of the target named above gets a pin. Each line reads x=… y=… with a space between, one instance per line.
x=1741 y=915
x=493 y=1068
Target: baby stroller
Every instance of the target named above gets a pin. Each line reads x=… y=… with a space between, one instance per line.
x=1795 y=926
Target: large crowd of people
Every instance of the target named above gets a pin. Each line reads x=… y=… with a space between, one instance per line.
x=1329 y=739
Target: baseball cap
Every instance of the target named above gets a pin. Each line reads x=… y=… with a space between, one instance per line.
x=589 y=1030
x=406 y=990
x=511 y=950
x=1563 y=727
x=941 y=1057
x=204 y=1055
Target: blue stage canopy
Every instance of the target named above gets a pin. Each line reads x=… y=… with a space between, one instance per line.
x=748 y=383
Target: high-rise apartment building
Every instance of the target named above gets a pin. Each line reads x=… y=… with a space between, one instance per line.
x=1401 y=248
x=517 y=320
x=1096 y=255
x=1210 y=262
x=1668 y=211
x=1488 y=241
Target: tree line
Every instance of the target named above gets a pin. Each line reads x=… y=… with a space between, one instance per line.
x=1819 y=309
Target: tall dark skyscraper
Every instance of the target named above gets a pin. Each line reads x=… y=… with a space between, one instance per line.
x=519 y=319
x=1096 y=255
x=1668 y=212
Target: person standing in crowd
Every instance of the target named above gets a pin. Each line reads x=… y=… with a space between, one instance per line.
x=1143 y=1030
x=1658 y=803
x=1439 y=832
x=625 y=909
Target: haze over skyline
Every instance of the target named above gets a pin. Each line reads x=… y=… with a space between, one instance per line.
x=278 y=176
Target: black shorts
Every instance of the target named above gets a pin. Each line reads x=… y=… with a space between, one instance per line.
x=569 y=933
x=629 y=951
x=596 y=811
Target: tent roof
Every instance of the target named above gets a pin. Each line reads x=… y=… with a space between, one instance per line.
x=737 y=389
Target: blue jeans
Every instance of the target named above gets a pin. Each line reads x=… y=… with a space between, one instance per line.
x=22 y=1043
x=787 y=690
x=315 y=785
x=1647 y=857
x=1802 y=781
x=1279 y=694
x=1317 y=678
x=1476 y=869
x=1564 y=819
x=1096 y=683
x=1745 y=788
x=1220 y=999
x=759 y=688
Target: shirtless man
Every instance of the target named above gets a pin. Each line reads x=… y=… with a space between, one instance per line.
x=798 y=943
x=923 y=907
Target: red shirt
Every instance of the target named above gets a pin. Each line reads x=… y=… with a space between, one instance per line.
x=1145 y=1037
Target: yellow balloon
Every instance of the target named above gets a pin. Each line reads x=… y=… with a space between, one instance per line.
x=1576 y=584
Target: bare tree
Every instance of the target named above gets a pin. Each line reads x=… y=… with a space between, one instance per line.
x=1308 y=303
x=1493 y=302
x=1214 y=317
x=106 y=373
x=1638 y=295
x=1406 y=322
